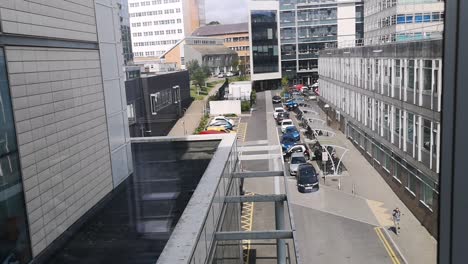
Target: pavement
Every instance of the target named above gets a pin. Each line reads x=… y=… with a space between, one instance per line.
x=192 y=116
x=349 y=224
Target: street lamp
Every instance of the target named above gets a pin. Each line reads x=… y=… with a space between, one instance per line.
x=327 y=107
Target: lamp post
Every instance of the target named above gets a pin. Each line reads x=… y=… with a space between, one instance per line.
x=327 y=108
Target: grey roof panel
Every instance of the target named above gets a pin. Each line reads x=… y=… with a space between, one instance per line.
x=213 y=30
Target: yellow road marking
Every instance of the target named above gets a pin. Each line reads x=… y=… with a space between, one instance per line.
x=387 y=246
x=246 y=223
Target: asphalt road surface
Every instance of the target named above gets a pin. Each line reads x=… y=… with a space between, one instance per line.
x=332 y=226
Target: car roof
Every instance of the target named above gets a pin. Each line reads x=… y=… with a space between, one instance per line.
x=287 y=120
x=279 y=108
x=306 y=165
x=297 y=154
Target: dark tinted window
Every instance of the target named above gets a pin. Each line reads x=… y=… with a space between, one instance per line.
x=265 y=41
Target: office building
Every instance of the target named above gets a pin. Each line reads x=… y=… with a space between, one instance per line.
x=158 y=25
x=126 y=33
x=155 y=102
x=389 y=21
x=206 y=50
x=308 y=26
x=236 y=37
x=265 y=56
x=64 y=132
x=387 y=99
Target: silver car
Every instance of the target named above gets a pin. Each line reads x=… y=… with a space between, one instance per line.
x=296 y=160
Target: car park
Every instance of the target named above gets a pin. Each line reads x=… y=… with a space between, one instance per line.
x=296 y=160
x=285 y=123
x=292 y=130
x=222 y=118
x=298 y=147
x=277 y=111
x=223 y=123
x=307 y=179
x=276 y=99
x=281 y=117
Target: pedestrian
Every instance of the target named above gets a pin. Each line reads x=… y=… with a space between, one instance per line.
x=396 y=219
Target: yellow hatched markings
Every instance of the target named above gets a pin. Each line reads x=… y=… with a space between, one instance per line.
x=387 y=246
x=241 y=131
x=246 y=224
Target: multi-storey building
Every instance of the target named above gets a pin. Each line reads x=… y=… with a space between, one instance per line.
x=157 y=25
x=236 y=37
x=387 y=99
x=265 y=56
x=64 y=140
x=388 y=21
x=308 y=26
x=126 y=33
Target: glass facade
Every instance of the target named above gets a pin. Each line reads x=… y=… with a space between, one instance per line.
x=265 y=41
x=14 y=236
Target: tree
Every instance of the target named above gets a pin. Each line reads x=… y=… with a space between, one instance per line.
x=235 y=64
x=206 y=69
x=192 y=67
x=285 y=82
x=214 y=23
x=199 y=78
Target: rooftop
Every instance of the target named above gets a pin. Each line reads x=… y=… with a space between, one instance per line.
x=215 y=30
x=212 y=49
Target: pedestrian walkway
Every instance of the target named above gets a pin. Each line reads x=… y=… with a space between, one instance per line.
x=192 y=116
x=414 y=241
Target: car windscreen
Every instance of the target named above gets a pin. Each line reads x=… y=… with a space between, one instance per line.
x=287 y=123
x=298 y=160
x=279 y=110
x=308 y=175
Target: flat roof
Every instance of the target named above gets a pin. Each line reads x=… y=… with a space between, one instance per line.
x=136 y=222
x=215 y=30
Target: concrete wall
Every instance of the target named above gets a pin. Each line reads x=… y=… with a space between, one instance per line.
x=60 y=116
x=113 y=78
x=52 y=18
x=225 y=107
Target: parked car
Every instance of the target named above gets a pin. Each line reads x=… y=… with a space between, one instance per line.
x=307 y=178
x=221 y=75
x=229 y=74
x=302 y=148
x=221 y=118
x=294 y=132
x=211 y=132
x=291 y=104
x=285 y=123
x=287 y=141
x=223 y=123
x=296 y=160
x=277 y=111
x=276 y=99
x=219 y=128
x=281 y=117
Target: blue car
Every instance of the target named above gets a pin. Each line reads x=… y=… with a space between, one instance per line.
x=287 y=141
x=292 y=130
x=223 y=123
x=291 y=104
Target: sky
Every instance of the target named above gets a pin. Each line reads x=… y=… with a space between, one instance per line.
x=226 y=11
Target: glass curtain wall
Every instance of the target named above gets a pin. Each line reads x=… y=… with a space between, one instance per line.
x=265 y=41
x=14 y=236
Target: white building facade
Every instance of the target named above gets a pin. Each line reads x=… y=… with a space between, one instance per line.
x=157 y=25
x=403 y=20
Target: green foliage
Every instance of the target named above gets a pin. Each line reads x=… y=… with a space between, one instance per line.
x=285 y=82
x=206 y=70
x=202 y=125
x=199 y=78
x=192 y=66
x=230 y=115
x=235 y=64
x=245 y=106
x=253 y=97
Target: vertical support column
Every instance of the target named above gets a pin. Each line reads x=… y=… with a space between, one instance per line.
x=280 y=243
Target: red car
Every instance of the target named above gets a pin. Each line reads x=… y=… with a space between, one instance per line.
x=210 y=132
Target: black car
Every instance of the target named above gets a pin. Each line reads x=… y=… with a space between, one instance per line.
x=281 y=117
x=307 y=178
x=276 y=99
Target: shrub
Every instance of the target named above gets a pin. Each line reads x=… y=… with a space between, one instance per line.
x=202 y=125
x=245 y=106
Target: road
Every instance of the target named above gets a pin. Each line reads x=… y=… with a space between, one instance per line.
x=332 y=226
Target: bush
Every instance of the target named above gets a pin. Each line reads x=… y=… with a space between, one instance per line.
x=253 y=97
x=230 y=115
x=202 y=125
x=245 y=106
